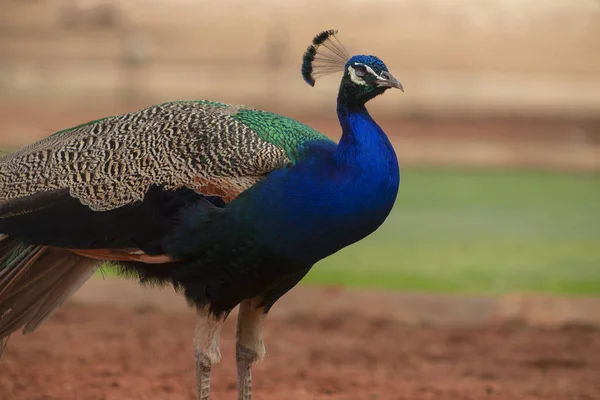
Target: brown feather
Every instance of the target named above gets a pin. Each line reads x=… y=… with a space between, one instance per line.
x=114 y=161
x=123 y=255
x=35 y=281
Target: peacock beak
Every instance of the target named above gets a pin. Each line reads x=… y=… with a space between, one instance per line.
x=388 y=81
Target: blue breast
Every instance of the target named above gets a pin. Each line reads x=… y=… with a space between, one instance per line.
x=333 y=197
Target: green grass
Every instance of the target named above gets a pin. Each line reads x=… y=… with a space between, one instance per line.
x=474 y=231
x=480 y=232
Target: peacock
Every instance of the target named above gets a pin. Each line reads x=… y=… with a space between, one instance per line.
x=228 y=204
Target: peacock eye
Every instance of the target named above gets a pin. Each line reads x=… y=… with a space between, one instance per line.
x=360 y=70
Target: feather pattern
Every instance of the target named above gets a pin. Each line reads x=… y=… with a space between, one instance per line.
x=114 y=161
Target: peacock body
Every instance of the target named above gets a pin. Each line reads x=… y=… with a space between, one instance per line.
x=229 y=204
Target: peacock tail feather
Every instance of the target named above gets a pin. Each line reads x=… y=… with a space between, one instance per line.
x=34 y=281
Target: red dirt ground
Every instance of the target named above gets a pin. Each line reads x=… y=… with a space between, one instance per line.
x=97 y=350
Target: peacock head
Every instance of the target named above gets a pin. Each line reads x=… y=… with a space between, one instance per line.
x=365 y=76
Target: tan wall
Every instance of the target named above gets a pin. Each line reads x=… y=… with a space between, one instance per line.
x=501 y=57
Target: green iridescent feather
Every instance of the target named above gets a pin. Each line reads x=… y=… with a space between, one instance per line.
x=281 y=131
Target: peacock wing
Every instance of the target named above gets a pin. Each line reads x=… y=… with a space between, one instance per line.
x=119 y=182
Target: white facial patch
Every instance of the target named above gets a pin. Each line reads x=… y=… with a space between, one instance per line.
x=359 y=81
x=354 y=77
x=371 y=71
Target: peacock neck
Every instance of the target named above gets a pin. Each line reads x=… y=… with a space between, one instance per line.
x=331 y=202
x=361 y=136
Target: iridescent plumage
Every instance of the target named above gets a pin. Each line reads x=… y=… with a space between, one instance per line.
x=230 y=205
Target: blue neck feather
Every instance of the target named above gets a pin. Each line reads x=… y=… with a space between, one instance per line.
x=334 y=197
x=359 y=133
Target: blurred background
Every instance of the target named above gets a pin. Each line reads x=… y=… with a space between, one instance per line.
x=498 y=132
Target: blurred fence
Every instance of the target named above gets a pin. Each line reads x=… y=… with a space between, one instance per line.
x=465 y=58
x=488 y=82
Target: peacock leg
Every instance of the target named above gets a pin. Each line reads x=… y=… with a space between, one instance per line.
x=249 y=345
x=206 y=348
